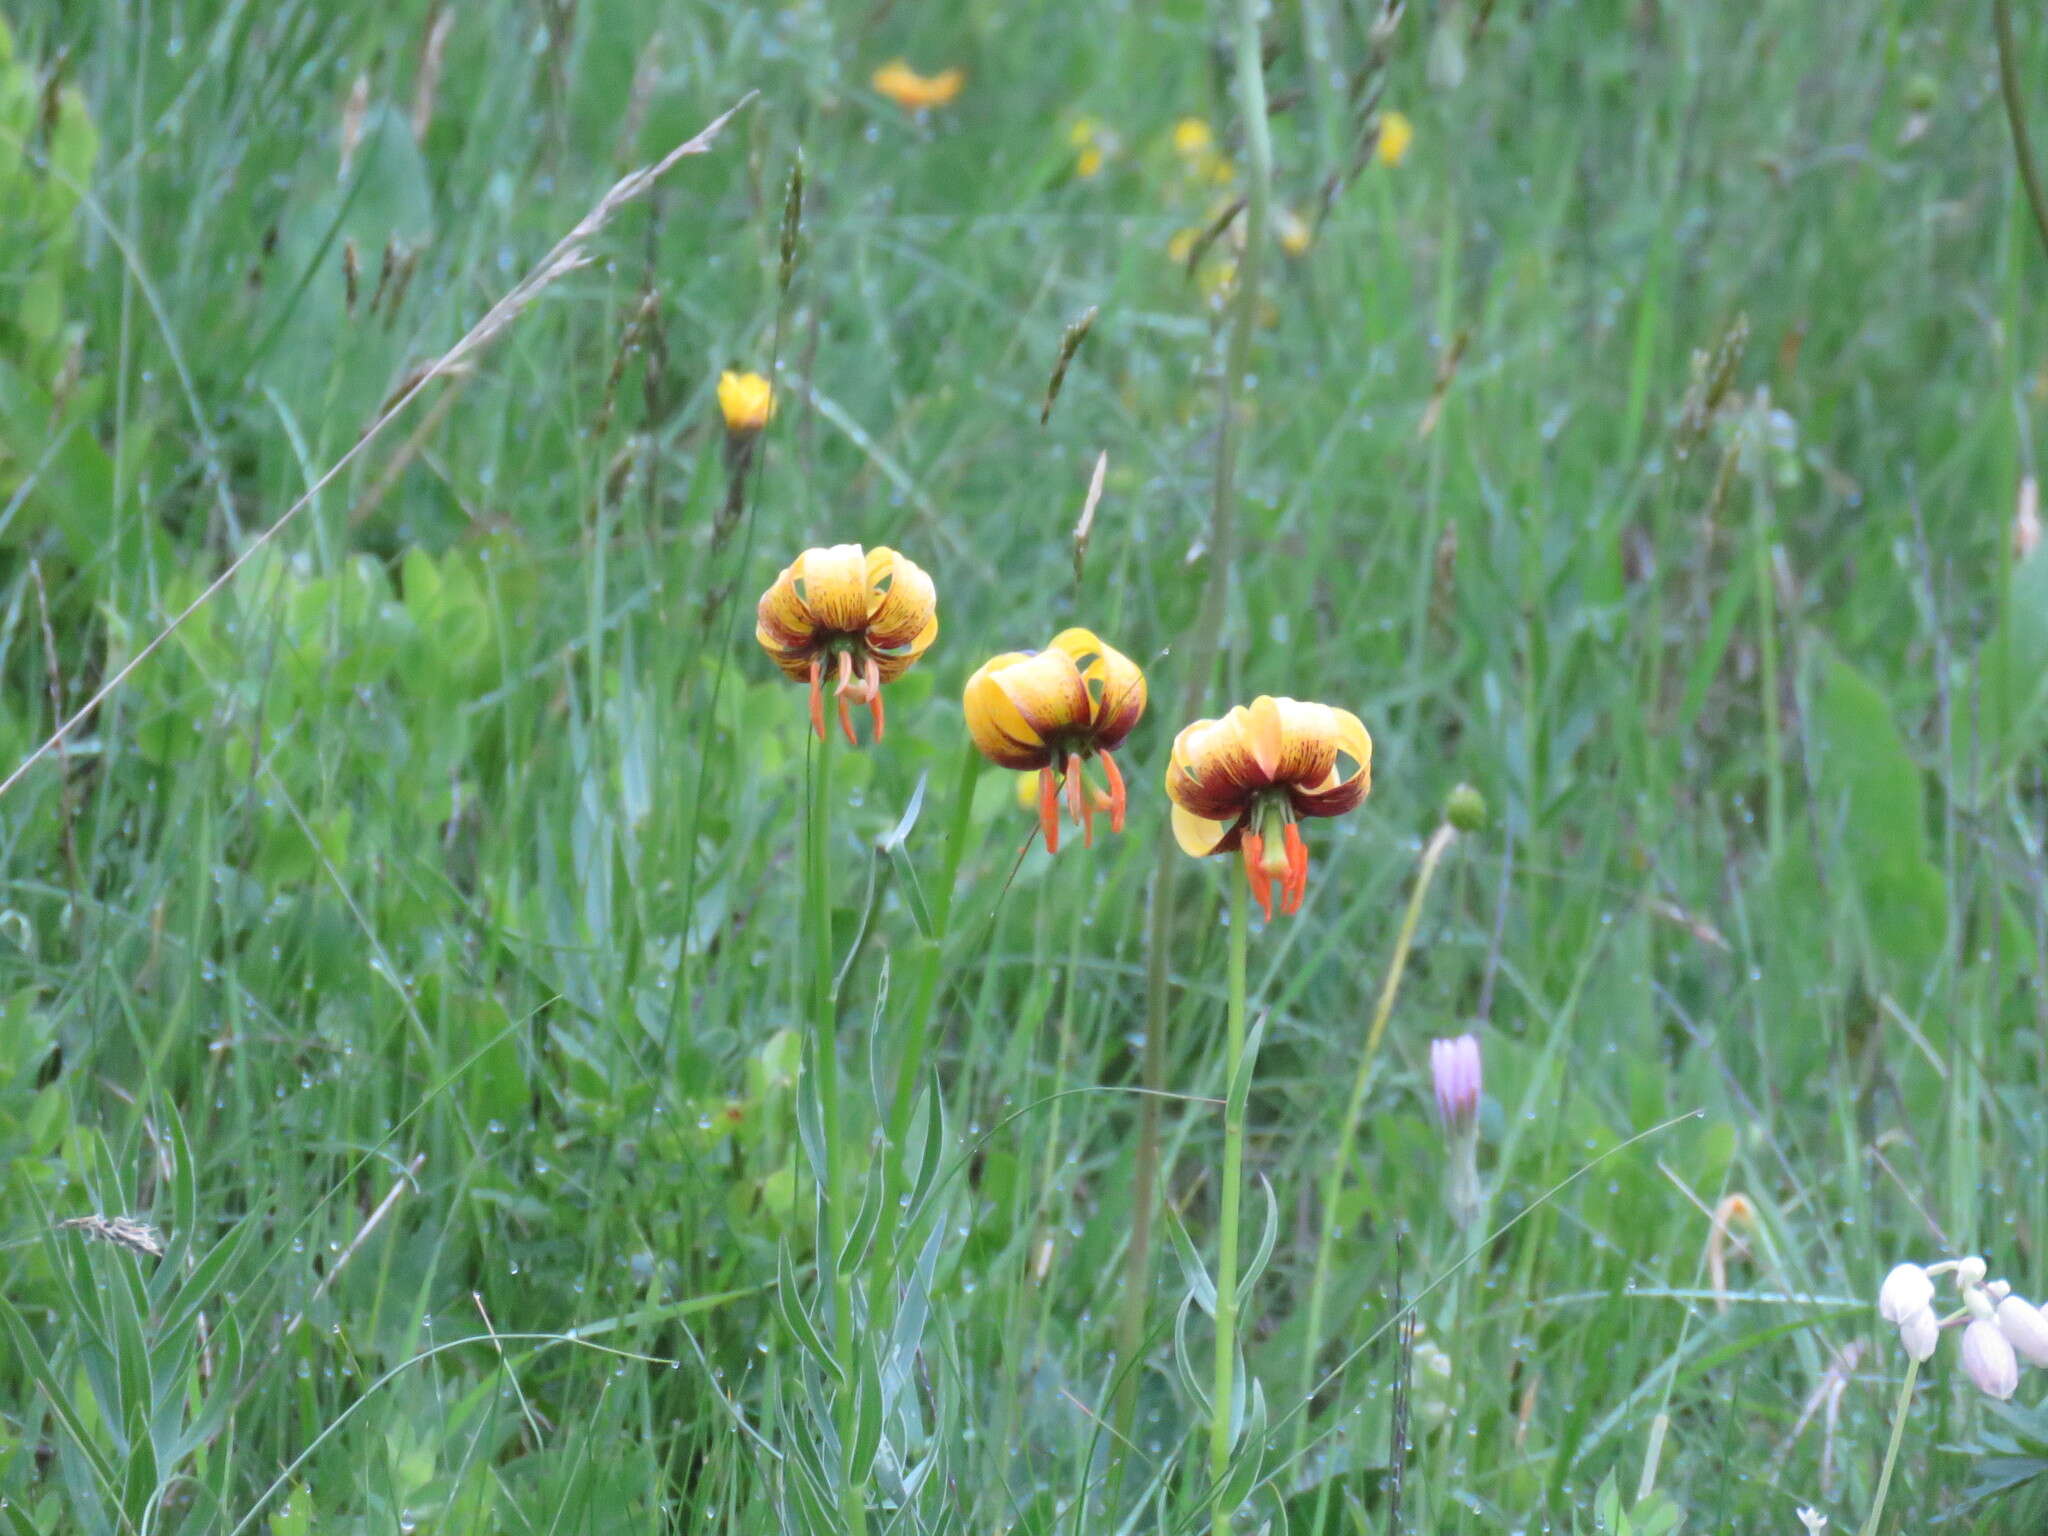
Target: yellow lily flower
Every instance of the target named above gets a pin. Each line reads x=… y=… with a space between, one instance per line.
x=914 y=92
x=1396 y=134
x=1244 y=782
x=1053 y=709
x=746 y=400
x=876 y=611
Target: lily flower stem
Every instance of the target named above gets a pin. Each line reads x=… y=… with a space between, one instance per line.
x=930 y=955
x=1201 y=657
x=1340 y=1159
x=825 y=1045
x=1226 y=1243
x=1891 y=1451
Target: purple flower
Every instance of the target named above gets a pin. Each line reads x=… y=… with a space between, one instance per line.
x=1455 y=1072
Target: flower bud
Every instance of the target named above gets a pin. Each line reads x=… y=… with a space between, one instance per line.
x=1454 y=1071
x=1465 y=808
x=1906 y=1290
x=1989 y=1361
x=1919 y=1332
x=746 y=401
x=1970 y=1274
x=2024 y=1328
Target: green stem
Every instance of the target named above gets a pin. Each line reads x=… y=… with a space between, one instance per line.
x=1226 y=1244
x=825 y=1022
x=929 y=954
x=1201 y=657
x=1891 y=1451
x=2016 y=116
x=1762 y=514
x=1340 y=1159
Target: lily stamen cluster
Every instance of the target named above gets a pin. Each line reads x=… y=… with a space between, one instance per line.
x=1244 y=782
x=1049 y=712
x=874 y=611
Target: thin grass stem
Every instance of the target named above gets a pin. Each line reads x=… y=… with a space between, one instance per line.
x=1340 y=1159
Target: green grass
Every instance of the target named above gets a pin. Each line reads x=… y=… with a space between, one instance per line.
x=418 y=937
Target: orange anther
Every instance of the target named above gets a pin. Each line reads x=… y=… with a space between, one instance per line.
x=1117 y=800
x=1049 y=809
x=818 y=697
x=1255 y=873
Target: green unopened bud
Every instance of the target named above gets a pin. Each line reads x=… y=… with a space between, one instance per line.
x=1922 y=91
x=1465 y=808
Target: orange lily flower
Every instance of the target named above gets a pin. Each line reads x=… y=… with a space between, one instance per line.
x=914 y=92
x=1245 y=781
x=1053 y=709
x=877 y=612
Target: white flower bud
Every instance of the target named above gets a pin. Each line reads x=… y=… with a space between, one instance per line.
x=1920 y=1332
x=1989 y=1361
x=2024 y=1328
x=1970 y=1273
x=1906 y=1290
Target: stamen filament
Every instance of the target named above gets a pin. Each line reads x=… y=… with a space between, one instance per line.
x=1049 y=809
x=818 y=696
x=1117 y=799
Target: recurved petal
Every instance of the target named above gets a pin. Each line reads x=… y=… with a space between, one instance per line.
x=1116 y=686
x=1197 y=835
x=1310 y=735
x=1195 y=783
x=833 y=584
x=1345 y=783
x=781 y=614
x=893 y=664
x=793 y=659
x=902 y=602
x=997 y=727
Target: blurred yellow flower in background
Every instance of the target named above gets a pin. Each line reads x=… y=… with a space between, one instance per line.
x=874 y=610
x=914 y=92
x=1244 y=782
x=1050 y=711
x=1191 y=137
x=1396 y=134
x=746 y=400
x=1095 y=145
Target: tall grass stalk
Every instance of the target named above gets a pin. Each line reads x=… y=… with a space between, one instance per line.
x=1340 y=1158
x=1233 y=1191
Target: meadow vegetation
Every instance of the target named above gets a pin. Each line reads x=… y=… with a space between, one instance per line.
x=473 y=1060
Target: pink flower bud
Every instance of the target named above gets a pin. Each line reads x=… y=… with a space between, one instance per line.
x=1989 y=1361
x=1919 y=1332
x=1906 y=1290
x=2024 y=1328
x=1455 y=1073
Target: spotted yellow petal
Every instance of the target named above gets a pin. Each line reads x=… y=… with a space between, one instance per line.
x=902 y=602
x=833 y=584
x=784 y=625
